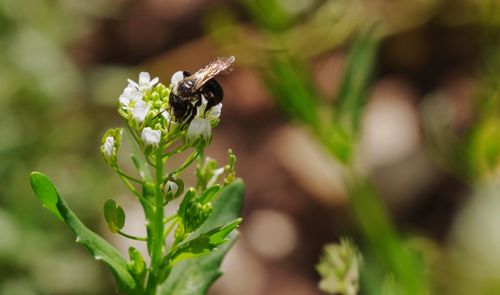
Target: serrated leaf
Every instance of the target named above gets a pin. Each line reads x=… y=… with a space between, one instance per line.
x=97 y=246
x=194 y=276
x=114 y=215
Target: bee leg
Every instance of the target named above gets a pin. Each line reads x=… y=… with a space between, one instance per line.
x=192 y=112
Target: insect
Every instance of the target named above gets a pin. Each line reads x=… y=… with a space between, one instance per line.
x=188 y=93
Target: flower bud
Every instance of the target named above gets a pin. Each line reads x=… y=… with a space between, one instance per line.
x=110 y=144
x=172 y=188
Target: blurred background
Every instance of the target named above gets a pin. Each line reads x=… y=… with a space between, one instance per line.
x=428 y=141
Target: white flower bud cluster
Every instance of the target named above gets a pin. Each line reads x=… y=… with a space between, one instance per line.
x=110 y=144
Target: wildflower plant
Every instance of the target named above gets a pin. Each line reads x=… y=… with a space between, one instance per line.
x=206 y=220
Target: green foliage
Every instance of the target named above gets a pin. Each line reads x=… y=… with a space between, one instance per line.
x=194 y=276
x=156 y=135
x=137 y=266
x=114 y=215
x=287 y=79
x=201 y=244
x=353 y=90
x=98 y=247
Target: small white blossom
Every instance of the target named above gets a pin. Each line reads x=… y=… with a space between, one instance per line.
x=130 y=95
x=199 y=127
x=171 y=187
x=212 y=114
x=174 y=81
x=145 y=82
x=150 y=136
x=141 y=109
x=108 y=147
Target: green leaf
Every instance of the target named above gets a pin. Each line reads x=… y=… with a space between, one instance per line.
x=357 y=77
x=209 y=194
x=46 y=192
x=97 y=246
x=289 y=81
x=137 y=266
x=194 y=276
x=114 y=215
x=202 y=244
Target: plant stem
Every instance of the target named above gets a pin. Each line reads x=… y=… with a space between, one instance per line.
x=133 y=190
x=188 y=162
x=170 y=218
x=158 y=218
x=128 y=176
x=131 y=237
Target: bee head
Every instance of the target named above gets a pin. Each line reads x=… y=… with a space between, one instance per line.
x=185 y=87
x=181 y=87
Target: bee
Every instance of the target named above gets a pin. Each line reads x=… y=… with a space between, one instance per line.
x=188 y=94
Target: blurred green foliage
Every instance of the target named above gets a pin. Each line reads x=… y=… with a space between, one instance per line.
x=46 y=120
x=281 y=48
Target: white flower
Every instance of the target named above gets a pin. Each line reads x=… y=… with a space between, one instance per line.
x=199 y=127
x=150 y=136
x=171 y=187
x=174 y=81
x=212 y=114
x=108 y=146
x=145 y=82
x=130 y=95
x=141 y=109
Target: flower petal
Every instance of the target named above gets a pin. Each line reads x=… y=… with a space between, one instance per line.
x=150 y=136
x=140 y=111
x=199 y=127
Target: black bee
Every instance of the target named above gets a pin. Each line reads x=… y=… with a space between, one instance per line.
x=187 y=94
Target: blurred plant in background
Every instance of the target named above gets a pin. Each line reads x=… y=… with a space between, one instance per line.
x=339 y=268
x=289 y=36
x=42 y=95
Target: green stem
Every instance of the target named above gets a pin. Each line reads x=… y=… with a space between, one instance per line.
x=158 y=217
x=188 y=162
x=128 y=176
x=134 y=135
x=130 y=236
x=169 y=229
x=170 y=218
x=150 y=163
x=176 y=151
x=133 y=190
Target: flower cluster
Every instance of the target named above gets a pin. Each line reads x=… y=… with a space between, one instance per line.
x=203 y=220
x=339 y=268
x=145 y=106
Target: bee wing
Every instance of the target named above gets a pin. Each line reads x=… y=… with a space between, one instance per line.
x=218 y=65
